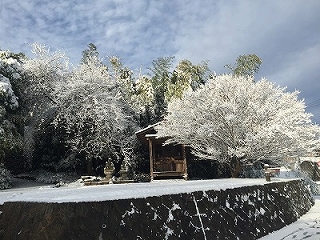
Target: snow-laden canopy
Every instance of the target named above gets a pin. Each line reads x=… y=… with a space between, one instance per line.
x=235 y=117
x=10 y=68
x=93 y=112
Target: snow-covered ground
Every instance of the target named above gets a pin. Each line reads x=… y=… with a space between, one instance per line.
x=76 y=192
x=307 y=227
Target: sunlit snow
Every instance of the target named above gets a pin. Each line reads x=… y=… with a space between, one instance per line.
x=79 y=193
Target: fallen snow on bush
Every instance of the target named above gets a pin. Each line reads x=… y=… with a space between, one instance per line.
x=5 y=178
x=7 y=93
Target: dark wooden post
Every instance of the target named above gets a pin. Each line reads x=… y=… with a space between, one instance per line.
x=185 y=175
x=151 y=157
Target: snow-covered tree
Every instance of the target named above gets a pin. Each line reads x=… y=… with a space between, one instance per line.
x=235 y=120
x=11 y=119
x=7 y=96
x=79 y=113
x=43 y=71
x=144 y=92
x=10 y=70
x=98 y=121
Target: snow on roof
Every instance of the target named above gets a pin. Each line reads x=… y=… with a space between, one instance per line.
x=76 y=193
x=146 y=128
x=151 y=135
x=310 y=159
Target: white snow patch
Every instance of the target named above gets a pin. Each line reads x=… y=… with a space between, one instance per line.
x=262 y=211
x=169 y=232
x=131 y=212
x=122 y=191
x=205 y=195
x=155 y=216
x=227 y=204
x=6 y=89
x=307 y=227
x=170 y=215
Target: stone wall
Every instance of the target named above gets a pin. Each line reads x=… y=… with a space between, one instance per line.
x=241 y=213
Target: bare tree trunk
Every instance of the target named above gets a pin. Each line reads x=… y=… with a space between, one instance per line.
x=235 y=166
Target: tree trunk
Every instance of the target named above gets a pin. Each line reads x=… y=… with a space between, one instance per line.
x=89 y=167
x=235 y=166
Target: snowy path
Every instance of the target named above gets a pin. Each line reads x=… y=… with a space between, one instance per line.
x=307 y=227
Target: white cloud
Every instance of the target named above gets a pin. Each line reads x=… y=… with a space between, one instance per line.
x=285 y=34
x=229 y=29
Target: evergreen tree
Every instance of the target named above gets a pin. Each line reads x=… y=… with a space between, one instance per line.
x=246 y=65
x=11 y=112
x=160 y=81
x=167 y=83
x=89 y=53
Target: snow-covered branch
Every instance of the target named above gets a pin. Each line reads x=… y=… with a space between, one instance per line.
x=236 y=117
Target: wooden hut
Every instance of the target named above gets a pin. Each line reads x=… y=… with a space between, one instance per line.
x=166 y=161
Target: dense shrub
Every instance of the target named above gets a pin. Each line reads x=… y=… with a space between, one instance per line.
x=142 y=177
x=53 y=178
x=5 y=178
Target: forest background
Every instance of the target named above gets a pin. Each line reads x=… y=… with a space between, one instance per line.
x=72 y=119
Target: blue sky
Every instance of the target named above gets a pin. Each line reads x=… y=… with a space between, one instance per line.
x=285 y=34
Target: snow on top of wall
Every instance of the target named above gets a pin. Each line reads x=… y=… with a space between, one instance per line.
x=76 y=193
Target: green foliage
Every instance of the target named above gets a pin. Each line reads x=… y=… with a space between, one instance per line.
x=50 y=149
x=55 y=177
x=11 y=147
x=186 y=75
x=5 y=177
x=11 y=111
x=167 y=82
x=123 y=77
x=89 y=53
x=160 y=81
x=246 y=65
